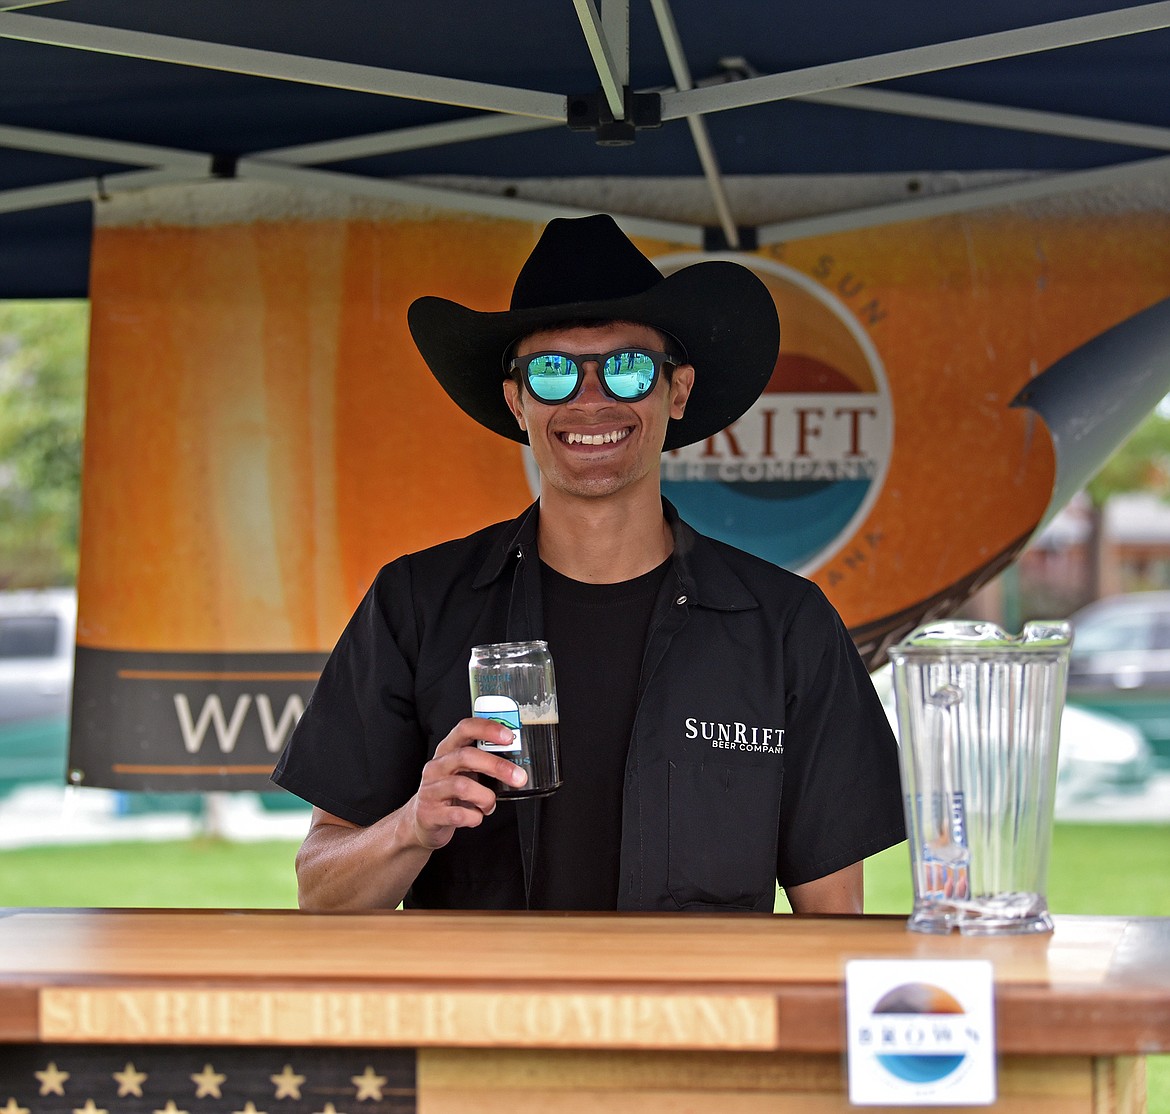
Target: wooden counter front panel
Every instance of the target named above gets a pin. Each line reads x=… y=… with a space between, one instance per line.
x=62 y=1079
x=457 y=1081
x=653 y=1015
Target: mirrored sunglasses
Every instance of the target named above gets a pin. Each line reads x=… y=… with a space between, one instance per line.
x=627 y=374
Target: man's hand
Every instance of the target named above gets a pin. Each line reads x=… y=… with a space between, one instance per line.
x=449 y=795
x=343 y=866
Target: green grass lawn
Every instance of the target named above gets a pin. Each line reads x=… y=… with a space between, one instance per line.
x=195 y=873
x=1095 y=869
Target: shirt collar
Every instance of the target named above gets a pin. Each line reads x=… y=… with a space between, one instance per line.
x=516 y=540
x=704 y=576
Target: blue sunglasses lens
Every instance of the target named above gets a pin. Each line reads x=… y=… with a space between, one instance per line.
x=629 y=375
x=552 y=377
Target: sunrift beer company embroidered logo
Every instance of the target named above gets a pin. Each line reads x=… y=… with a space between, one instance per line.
x=791 y=480
x=746 y=737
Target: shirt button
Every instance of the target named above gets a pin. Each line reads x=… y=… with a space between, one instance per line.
x=681 y=600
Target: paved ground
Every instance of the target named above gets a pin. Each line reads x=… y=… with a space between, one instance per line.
x=1152 y=806
x=46 y=814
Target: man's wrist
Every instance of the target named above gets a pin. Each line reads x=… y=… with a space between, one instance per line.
x=408 y=837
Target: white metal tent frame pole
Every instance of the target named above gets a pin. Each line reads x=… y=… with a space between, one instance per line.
x=282 y=67
x=167 y=165
x=435 y=196
x=609 y=48
x=172 y=166
x=980 y=197
x=108 y=150
x=998 y=116
x=86 y=189
x=917 y=60
x=607 y=36
x=408 y=139
x=700 y=136
x=615 y=21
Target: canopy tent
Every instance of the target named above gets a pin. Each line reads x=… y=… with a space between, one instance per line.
x=464 y=105
x=251 y=193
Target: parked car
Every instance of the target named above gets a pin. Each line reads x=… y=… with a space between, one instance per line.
x=1098 y=753
x=36 y=684
x=37 y=631
x=1120 y=663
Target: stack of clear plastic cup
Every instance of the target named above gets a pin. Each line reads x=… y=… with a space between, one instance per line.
x=979 y=730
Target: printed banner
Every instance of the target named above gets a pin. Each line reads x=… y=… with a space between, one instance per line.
x=262 y=435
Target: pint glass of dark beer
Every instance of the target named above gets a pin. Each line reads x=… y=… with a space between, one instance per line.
x=513 y=683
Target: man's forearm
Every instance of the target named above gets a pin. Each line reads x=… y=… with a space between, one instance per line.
x=345 y=868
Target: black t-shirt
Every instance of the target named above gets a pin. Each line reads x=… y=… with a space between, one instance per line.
x=596 y=634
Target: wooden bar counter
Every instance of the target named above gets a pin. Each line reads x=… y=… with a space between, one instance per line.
x=262 y=1012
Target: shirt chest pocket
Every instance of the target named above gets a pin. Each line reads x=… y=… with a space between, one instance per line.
x=722 y=830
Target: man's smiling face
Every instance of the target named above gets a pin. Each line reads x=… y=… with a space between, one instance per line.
x=594 y=445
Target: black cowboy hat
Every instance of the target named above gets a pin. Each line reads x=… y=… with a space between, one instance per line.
x=585 y=269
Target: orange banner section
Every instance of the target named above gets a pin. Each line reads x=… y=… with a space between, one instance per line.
x=261 y=434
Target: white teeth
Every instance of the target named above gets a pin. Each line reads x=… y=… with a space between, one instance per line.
x=597 y=438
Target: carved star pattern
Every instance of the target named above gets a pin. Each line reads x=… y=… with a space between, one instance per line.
x=288 y=1083
x=52 y=1080
x=90 y=1107
x=369 y=1085
x=208 y=1082
x=130 y=1081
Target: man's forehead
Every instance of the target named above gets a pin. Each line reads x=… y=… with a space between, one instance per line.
x=580 y=334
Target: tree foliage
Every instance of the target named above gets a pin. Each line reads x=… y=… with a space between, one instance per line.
x=1141 y=462
x=42 y=404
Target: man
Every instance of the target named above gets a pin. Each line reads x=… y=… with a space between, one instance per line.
x=718 y=730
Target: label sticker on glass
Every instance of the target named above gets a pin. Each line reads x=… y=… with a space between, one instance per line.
x=502 y=709
x=946 y=858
